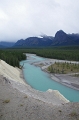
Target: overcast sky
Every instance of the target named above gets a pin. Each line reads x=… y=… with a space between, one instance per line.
x=25 y=18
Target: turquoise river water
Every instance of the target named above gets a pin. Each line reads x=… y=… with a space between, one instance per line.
x=41 y=81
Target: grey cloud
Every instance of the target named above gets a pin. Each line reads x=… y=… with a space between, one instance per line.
x=24 y=18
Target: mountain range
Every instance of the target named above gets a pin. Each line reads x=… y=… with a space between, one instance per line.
x=60 y=39
x=4 y=44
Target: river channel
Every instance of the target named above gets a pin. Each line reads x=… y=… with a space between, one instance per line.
x=41 y=81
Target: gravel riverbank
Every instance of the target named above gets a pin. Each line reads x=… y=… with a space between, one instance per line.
x=66 y=79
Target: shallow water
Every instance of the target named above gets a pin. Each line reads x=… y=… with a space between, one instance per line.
x=41 y=81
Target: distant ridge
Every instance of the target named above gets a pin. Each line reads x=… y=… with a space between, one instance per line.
x=4 y=44
x=60 y=39
x=35 y=42
x=2 y=47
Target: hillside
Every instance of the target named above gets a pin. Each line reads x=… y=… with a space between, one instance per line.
x=4 y=44
x=34 y=42
x=10 y=72
x=60 y=39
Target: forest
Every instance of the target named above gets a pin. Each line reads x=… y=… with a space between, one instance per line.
x=14 y=56
x=56 y=53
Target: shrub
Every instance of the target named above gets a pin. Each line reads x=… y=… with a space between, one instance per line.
x=6 y=101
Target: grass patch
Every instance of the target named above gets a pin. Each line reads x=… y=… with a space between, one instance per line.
x=60 y=111
x=73 y=114
x=63 y=68
x=21 y=104
x=6 y=101
x=25 y=96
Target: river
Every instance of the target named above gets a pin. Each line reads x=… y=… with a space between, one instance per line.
x=41 y=81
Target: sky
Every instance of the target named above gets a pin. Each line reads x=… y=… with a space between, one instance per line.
x=26 y=18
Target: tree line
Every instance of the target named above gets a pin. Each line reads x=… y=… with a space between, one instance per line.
x=55 y=53
x=12 y=57
x=63 y=68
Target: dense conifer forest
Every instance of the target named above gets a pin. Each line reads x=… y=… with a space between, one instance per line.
x=63 y=53
x=13 y=56
x=56 y=53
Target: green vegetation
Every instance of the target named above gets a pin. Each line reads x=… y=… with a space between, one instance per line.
x=21 y=104
x=62 y=53
x=63 y=68
x=73 y=114
x=12 y=57
x=6 y=101
x=60 y=111
x=25 y=96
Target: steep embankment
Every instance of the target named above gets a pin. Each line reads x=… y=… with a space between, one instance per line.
x=12 y=75
x=18 y=101
x=10 y=72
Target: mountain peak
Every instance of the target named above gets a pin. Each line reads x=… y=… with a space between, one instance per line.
x=60 y=32
x=60 y=39
x=60 y=35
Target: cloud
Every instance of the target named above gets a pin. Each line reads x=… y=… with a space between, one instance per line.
x=22 y=19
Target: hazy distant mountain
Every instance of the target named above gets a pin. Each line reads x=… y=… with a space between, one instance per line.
x=2 y=47
x=34 y=42
x=6 y=44
x=60 y=39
